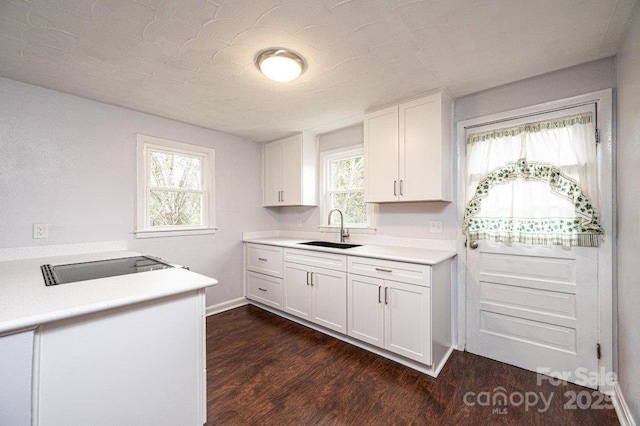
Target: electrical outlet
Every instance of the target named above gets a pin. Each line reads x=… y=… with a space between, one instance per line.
x=435 y=226
x=40 y=230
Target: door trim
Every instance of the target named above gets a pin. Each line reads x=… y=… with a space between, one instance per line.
x=607 y=286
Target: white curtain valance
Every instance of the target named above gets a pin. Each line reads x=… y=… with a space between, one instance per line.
x=535 y=183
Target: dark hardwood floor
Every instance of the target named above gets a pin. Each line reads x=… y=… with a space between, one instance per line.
x=266 y=370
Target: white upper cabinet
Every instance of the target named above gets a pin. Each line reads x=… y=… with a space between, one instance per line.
x=407 y=151
x=290 y=171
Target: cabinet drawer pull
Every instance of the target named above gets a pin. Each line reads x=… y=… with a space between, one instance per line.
x=308 y=277
x=384 y=270
x=312 y=279
x=386 y=295
x=262 y=289
x=395 y=187
x=379 y=294
x=400 y=186
x=262 y=259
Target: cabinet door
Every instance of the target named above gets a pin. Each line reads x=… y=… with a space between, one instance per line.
x=272 y=174
x=366 y=309
x=292 y=171
x=139 y=364
x=16 y=358
x=421 y=149
x=330 y=299
x=408 y=320
x=381 y=155
x=297 y=290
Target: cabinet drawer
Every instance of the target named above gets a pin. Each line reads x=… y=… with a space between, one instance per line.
x=265 y=289
x=337 y=262
x=264 y=259
x=390 y=270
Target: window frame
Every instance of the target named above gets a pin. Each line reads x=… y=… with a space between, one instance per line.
x=145 y=146
x=326 y=157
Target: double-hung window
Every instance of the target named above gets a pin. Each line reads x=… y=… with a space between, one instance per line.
x=175 y=188
x=343 y=187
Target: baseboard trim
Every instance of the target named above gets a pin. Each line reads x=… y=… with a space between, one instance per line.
x=622 y=409
x=225 y=306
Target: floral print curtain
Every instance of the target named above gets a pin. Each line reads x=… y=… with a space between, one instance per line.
x=534 y=183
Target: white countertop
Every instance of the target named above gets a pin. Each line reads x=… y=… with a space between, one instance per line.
x=26 y=302
x=401 y=254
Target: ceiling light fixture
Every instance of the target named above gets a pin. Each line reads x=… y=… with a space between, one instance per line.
x=280 y=65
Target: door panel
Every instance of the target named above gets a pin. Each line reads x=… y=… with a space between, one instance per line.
x=534 y=307
x=366 y=309
x=330 y=299
x=272 y=173
x=381 y=155
x=421 y=149
x=408 y=320
x=292 y=171
x=297 y=293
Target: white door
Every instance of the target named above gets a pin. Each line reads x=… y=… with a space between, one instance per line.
x=381 y=155
x=297 y=290
x=407 y=320
x=366 y=309
x=535 y=307
x=330 y=299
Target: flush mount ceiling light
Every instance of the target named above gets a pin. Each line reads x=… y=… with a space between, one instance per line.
x=280 y=65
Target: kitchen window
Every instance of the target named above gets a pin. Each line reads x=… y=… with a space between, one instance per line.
x=175 y=188
x=343 y=188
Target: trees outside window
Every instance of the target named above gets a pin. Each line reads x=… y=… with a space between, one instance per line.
x=175 y=188
x=344 y=186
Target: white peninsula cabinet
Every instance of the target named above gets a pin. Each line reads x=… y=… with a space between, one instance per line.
x=16 y=377
x=118 y=350
x=289 y=171
x=407 y=151
x=400 y=310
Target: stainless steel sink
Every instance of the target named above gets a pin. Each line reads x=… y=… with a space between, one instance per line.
x=331 y=244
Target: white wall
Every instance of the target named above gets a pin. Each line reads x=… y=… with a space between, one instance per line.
x=628 y=140
x=70 y=162
x=573 y=81
x=407 y=220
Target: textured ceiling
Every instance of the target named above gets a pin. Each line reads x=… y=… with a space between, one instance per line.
x=192 y=60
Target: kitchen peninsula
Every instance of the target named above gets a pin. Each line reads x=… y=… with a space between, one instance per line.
x=125 y=349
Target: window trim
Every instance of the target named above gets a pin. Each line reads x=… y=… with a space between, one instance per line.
x=325 y=158
x=146 y=144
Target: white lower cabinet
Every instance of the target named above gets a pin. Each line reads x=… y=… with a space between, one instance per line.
x=16 y=377
x=316 y=294
x=402 y=308
x=391 y=315
x=134 y=365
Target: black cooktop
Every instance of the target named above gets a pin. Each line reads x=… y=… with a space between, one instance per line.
x=62 y=274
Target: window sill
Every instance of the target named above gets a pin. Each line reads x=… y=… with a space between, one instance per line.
x=352 y=230
x=174 y=232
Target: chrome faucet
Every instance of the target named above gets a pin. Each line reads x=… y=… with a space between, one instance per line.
x=344 y=233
